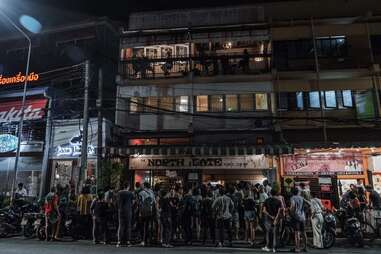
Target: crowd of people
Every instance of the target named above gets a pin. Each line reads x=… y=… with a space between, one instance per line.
x=207 y=213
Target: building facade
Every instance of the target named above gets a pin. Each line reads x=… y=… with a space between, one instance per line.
x=252 y=92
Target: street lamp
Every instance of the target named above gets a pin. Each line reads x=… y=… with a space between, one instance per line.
x=25 y=20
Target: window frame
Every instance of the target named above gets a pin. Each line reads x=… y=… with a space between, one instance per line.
x=352 y=99
x=309 y=100
x=237 y=103
x=253 y=102
x=267 y=100
x=325 y=100
x=197 y=109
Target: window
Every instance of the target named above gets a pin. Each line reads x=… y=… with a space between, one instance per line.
x=283 y=101
x=182 y=103
x=261 y=102
x=330 y=99
x=299 y=101
x=136 y=104
x=246 y=102
x=231 y=102
x=347 y=98
x=150 y=104
x=335 y=46
x=202 y=103
x=216 y=103
x=166 y=103
x=314 y=100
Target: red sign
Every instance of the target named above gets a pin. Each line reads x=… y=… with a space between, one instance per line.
x=323 y=164
x=11 y=111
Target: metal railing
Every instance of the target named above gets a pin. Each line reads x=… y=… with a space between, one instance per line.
x=204 y=66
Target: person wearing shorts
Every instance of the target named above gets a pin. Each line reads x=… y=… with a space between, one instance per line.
x=250 y=217
x=299 y=219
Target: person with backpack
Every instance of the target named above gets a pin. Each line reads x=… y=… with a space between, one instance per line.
x=223 y=207
x=250 y=216
x=187 y=214
x=298 y=215
x=98 y=211
x=196 y=218
x=125 y=201
x=207 y=217
x=147 y=210
x=52 y=215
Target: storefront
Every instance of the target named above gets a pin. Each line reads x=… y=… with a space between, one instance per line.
x=66 y=150
x=375 y=169
x=168 y=170
x=32 y=142
x=329 y=173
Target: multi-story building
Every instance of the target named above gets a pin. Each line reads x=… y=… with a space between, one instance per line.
x=52 y=132
x=224 y=94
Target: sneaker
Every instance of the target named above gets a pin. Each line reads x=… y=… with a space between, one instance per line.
x=142 y=244
x=118 y=245
x=128 y=244
x=170 y=246
x=274 y=250
x=266 y=249
x=219 y=245
x=164 y=245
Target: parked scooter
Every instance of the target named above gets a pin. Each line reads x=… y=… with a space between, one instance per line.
x=351 y=228
x=329 y=230
x=10 y=223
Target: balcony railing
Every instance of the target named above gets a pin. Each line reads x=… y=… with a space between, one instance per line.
x=204 y=66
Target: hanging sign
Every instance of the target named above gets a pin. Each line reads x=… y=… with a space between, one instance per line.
x=19 y=78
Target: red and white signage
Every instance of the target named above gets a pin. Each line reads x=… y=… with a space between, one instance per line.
x=323 y=164
x=11 y=111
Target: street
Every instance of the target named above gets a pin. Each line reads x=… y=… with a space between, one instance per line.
x=21 y=246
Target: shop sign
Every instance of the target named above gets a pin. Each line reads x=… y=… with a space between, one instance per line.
x=8 y=143
x=11 y=111
x=19 y=78
x=147 y=162
x=73 y=147
x=323 y=164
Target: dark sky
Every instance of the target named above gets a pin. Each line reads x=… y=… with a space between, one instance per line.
x=118 y=9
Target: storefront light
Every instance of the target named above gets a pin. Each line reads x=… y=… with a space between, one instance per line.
x=308 y=150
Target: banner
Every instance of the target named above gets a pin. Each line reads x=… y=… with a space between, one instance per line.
x=147 y=162
x=323 y=164
x=11 y=111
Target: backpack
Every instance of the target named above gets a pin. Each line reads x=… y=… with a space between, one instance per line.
x=147 y=208
x=189 y=206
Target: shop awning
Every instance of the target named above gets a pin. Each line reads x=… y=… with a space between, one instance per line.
x=199 y=150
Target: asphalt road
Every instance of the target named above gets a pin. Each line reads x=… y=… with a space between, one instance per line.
x=22 y=246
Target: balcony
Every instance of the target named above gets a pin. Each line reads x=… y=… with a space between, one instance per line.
x=202 y=66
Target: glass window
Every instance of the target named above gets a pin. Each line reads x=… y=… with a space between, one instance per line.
x=231 y=103
x=150 y=104
x=182 y=103
x=202 y=103
x=216 y=103
x=136 y=104
x=330 y=99
x=261 y=102
x=283 y=101
x=347 y=98
x=246 y=102
x=166 y=103
x=299 y=101
x=314 y=99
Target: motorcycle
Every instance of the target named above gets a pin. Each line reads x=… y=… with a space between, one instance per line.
x=10 y=223
x=329 y=230
x=351 y=228
x=39 y=226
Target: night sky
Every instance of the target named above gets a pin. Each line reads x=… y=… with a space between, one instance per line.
x=117 y=9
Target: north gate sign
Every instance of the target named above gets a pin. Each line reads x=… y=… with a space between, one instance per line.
x=148 y=162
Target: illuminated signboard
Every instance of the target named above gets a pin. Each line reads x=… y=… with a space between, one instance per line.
x=10 y=111
x=19 y=78
x=8 y=143
x=73 y=148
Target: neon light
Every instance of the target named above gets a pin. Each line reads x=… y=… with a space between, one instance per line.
x=8 y=143
x=19 y=78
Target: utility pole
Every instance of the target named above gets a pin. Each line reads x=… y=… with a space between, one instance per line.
x=84 y=147
x=100 y=130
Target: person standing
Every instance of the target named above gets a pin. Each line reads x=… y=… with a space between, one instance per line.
x=374 y=198
x=223 y=206
x=299 y=219
x=83 y=207
x=147 y=211
x=272 y=210
x=250 y=216
x=187 y=213
x=52 y=215
x=317 y=221
x=98 y=211
x=207 y=217
x=125 y=200
x=165 y=218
